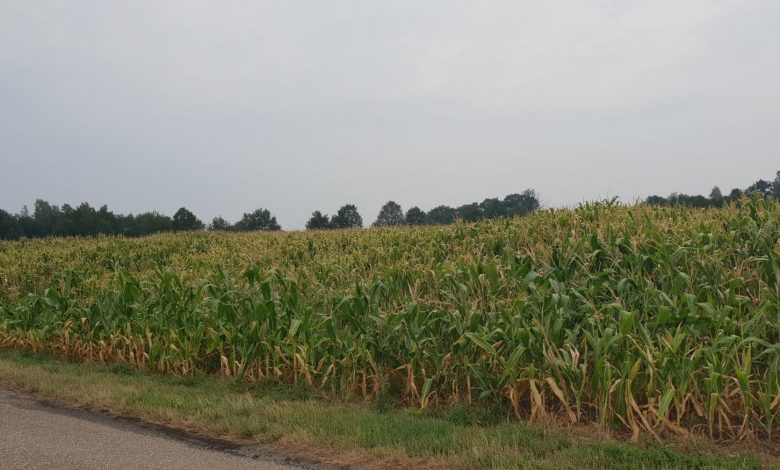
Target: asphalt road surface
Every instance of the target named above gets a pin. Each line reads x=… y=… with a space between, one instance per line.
x=36 y=435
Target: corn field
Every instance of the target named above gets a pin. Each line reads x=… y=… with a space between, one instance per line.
x=653 y=320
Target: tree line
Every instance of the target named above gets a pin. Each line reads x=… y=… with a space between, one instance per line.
x=764 y=188
x=391 y=214
x=84 y=220
x=47 y=219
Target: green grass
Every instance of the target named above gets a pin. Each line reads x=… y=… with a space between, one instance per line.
x=297 y=419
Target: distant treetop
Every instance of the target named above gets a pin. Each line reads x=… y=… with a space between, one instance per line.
x=347 y=217
x=390 y=215
x=763 y=188
x=261 y=219
x=184 y=220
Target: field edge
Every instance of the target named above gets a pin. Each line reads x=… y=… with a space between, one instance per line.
x=341 y=433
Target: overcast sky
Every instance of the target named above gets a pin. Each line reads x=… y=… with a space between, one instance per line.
x=226 y=106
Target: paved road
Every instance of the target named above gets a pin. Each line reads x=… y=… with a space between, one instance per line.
x=40 y=436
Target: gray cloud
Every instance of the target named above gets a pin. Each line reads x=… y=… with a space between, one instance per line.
x=296 y=106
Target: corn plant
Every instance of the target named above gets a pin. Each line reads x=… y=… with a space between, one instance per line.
x=655 y=320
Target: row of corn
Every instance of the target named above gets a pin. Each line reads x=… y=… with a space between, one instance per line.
x=655 y=320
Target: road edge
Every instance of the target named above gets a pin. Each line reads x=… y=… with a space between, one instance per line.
x=195 y=439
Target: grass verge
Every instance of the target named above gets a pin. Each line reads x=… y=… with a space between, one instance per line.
x=296 y=421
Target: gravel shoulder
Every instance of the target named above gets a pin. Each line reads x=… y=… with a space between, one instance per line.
x=38 y=435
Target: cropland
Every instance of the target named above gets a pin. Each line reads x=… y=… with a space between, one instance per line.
x=652 y=321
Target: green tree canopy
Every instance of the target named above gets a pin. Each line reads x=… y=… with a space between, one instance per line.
x=716 y=193
x=716 y=197
x=218 y=224
x=347 y=217
x=761 y=187
x=416 y=216
x=521 y=204
x=184 y=220
x=261 y=219
x=470 y=212
x=492 y=208
x=146 y=223
x=46 y=217
x=390 y=215
x=318 y=221
x=442 y=215
x=10 y=229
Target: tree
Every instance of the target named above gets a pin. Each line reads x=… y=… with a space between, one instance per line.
x=184 y=220
x=106 y=221
x=735 y=194
x=492 y=208
x=347 y=217
x=390 y=215
x=46 y=218
x=82 y=221
x=697 y=201
x=27 y=223
x=64 y=224
x=521 y=204
x=656 y=201
x=261 y=219
x=716 y=197
x=470 y=212
x=716 y=194
x=441 y=215
x=9 y=226
x=762 y=187
x=318 y=221
x=218 y=224
x=147 y=224
x=126 y=224
x=776 y=186
x=416 y=216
